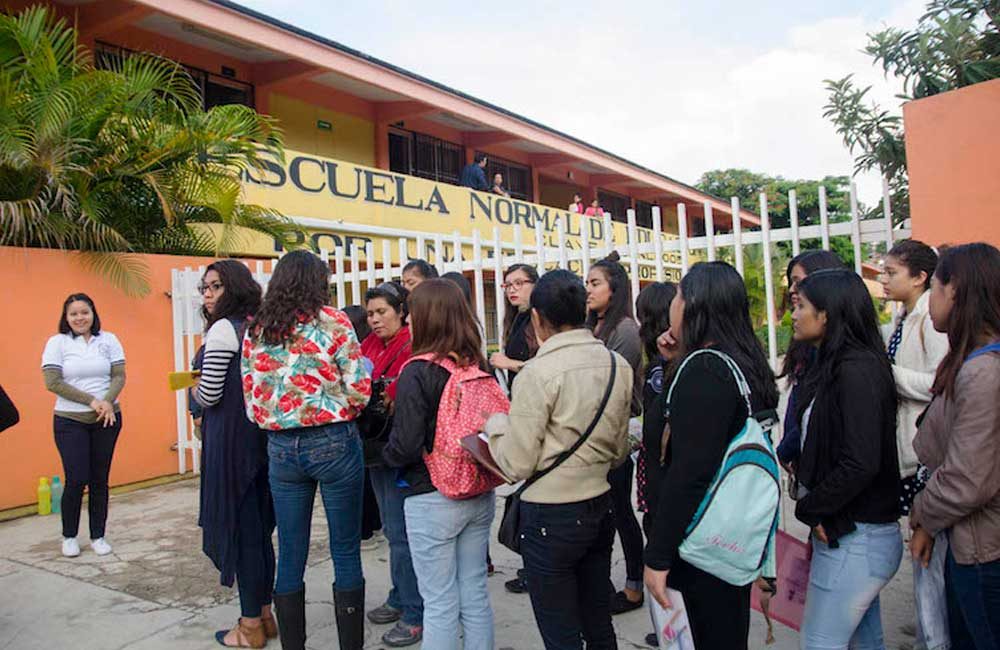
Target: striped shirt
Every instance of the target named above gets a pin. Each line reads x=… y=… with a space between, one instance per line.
x=221 y=347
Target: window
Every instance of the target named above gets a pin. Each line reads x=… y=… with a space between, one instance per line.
x=216 y=90
x=644 y=214
x=425 y=156
x=516 y=177
x=616 y=204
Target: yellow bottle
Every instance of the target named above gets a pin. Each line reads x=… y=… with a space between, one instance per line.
x=44 y=496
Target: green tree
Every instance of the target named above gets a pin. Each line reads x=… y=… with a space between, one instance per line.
x=955 y=43
x=121 y=159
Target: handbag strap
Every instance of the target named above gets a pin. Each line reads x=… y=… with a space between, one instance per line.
x=582 y=439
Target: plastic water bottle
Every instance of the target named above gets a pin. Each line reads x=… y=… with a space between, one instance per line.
x=57 y=492
x=44 y=496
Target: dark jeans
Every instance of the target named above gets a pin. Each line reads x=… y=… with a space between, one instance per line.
x=626 y=523
x=255 y=550
x=300 y=459
x=567 y=556
x=719 y=612
x=86 y=451
x=404 y=594
x=973 y=593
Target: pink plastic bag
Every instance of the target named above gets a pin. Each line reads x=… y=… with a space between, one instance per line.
x=789 y=604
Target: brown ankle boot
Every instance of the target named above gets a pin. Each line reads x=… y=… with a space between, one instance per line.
x=253 y=637
x=270 y=626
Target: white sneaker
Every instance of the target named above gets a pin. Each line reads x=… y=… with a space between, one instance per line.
x=100 y=546
x=70 y=547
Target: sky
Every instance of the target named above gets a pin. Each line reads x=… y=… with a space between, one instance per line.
x=677 y=86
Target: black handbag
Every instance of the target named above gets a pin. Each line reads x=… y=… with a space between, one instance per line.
x=508 y=534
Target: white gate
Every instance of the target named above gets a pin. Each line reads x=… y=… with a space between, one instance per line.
x=355 y=270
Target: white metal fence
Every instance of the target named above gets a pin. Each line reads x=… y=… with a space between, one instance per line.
x=355 y=270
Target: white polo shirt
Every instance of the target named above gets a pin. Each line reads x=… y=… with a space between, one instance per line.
x=85 y=365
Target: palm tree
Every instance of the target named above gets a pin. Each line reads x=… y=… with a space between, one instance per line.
x=121 y=159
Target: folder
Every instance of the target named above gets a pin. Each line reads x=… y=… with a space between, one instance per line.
x=477 y=445
x=182 y=380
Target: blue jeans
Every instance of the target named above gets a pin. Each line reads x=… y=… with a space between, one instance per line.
x=842 y=602
x=404 y=594
x=973 y=592
x=331 y=457
x=449 y=540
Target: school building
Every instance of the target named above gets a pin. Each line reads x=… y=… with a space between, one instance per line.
x=371 y=144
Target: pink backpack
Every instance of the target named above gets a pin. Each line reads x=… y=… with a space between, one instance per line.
x=469 y=398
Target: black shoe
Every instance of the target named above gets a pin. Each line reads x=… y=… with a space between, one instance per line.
x=383 y=615
x=651 y=640
x=349 y=607
x=291 y=611
x=621 y=604
x=516 y=586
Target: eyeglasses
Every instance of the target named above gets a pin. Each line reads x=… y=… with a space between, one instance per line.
x=515 y=285
x=214 y=287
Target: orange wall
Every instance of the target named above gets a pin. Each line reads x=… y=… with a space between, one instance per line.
x=33 y=285
x=952 y=140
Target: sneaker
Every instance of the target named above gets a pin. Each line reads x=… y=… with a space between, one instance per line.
x=70 y=547
x=384 y=614
x=402 y=635
x=652 y=641
x=100 y=546
x=621 y=604
x=516 y=586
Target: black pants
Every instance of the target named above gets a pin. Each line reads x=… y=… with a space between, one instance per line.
x=626 y=524
x=718 y=611
x=371 y=519
x=255 y=549
x=567 y=556
x=86 y=451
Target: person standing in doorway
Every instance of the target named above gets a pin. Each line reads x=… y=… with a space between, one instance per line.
x=577 y=205
x=573 y=386
x=236 y=513
x=389 y=347
x=609 y=316
x=474 y=174
x=848 y=471
x=305 y=383
x=959 y=441
x=595 y=209
x=84 y=366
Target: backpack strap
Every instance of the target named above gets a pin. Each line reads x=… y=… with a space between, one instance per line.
x=992 y=347
x=742 y=385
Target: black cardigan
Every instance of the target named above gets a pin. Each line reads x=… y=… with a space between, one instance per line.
x=414 y=422
x=849 y=463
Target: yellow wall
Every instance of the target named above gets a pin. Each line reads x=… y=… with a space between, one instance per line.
x=351 y=139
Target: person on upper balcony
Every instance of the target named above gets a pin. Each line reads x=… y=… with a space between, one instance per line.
x=474 y=174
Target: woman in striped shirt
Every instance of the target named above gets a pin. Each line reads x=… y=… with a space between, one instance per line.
x=237 y=513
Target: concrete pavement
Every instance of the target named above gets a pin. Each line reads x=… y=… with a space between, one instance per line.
x=158 y=591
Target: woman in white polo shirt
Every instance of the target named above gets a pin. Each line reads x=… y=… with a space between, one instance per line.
x=85 y=368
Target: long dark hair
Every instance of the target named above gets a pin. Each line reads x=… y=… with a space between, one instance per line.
x=620 y=305
x=510 y=312
x=916 y=256
x=717 y=311
x=851 y=324
x=64 y=328
x=799 y=354
x=442 y=323
x=242 y=294
x=298 y=289
x=652 y=308
x=973 y=270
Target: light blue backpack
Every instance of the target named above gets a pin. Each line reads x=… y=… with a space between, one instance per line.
x=732 y=533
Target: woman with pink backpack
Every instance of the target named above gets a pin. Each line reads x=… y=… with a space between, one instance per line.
x=443 y=394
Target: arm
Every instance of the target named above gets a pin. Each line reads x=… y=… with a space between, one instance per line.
x=916 y=384
x=419 y=390
x=55 y=383
x=791 y=438
x=625 y=341
x=221 y=346
x=968 y=478
x=703 y=407
x=117 y=382
x=861 y=415
x=516 y=439
x=357 y=381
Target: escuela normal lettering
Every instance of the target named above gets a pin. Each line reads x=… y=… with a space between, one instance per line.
x=378 y=187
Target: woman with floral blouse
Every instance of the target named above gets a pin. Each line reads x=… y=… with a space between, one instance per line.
x=304 y=383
